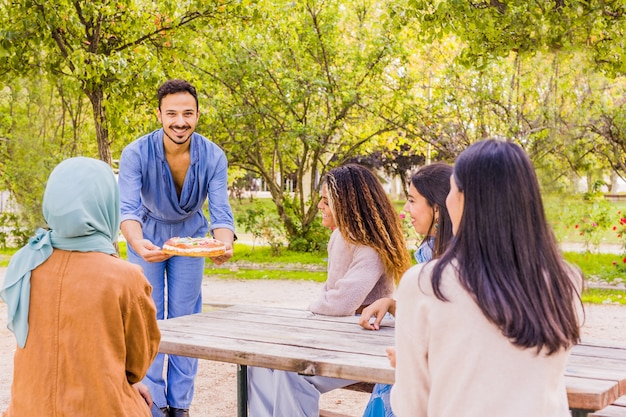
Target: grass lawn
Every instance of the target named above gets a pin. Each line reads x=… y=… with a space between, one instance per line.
x=259 y=263
x=602 y=296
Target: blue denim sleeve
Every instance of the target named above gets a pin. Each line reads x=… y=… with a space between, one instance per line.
x=129 y=179
x=219 y=207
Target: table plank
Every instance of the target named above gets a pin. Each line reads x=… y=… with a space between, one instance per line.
x=268 y=315
x=307 y=361
x=610 y=411
x=287 y=332
x=299 y=341
x=619 y=344
x=593 y=350
x=589 y=393
x=598 y=368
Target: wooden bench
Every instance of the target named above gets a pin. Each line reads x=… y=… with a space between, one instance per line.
x=326 y=413
x=617 y=409
x=615 y=197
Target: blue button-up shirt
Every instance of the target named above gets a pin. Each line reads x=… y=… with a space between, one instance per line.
x=148 y=194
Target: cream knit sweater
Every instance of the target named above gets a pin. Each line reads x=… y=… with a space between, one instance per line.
x=356 y=276
x=452 y=362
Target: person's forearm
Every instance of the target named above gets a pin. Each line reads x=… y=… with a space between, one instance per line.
x=228 y=237
x=131 y=229
x=225 y=235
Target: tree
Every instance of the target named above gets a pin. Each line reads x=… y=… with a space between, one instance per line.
x=110 y=49
x=41 y=124
x=495 y=28
x=298 y=91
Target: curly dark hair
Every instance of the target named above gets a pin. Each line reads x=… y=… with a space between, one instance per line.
x=365 y=215
x=175 y=87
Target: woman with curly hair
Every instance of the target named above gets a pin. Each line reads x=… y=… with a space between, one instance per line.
x=366 y=255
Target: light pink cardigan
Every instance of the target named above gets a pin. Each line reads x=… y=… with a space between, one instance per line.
x=356 y=276
x=451 y=361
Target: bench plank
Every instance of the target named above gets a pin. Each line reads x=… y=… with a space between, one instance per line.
x=610 y=411
x=617 y=409
x=326 y=413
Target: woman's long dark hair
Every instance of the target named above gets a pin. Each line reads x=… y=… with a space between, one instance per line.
x=505 y=252
x=433 y=183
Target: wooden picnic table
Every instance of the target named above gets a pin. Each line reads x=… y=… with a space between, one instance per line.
x=300 y=341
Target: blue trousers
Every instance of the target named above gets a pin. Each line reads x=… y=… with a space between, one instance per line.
x=180 y=280
x=379 y=404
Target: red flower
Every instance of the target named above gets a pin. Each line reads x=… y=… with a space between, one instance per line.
x=614 y=227
x=624 y=260
x=614 y=263
x=622 y=220
x=576 y=226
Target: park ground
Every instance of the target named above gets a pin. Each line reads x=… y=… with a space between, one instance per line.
x=216 y=394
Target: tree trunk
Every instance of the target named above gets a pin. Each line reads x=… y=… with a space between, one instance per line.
x=100 y=120
x=614 y=182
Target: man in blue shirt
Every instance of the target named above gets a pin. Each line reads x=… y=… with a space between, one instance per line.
x=164 y=178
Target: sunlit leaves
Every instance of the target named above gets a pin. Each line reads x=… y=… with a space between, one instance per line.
x=493 y=28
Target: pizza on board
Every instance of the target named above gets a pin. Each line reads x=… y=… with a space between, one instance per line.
x=194 y=246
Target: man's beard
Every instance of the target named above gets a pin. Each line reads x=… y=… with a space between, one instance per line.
x=177 y=142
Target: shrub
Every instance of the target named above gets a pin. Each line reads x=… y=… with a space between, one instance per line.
x=12 y=234
x=258 y=221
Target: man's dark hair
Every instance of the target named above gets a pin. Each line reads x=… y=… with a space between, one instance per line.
x=174 y=87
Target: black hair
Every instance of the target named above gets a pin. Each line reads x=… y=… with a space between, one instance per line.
x=433 y=183
x=505 y=253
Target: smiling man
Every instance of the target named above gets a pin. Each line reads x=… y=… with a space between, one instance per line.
x=165 y=178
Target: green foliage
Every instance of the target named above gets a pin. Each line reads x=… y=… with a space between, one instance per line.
x=592 y=221
x=311 y=237
x=596 y=26
x=42 y=126
x=592 y=224
x=298 y=89
x=252 y=263
x=259 y=218
x=11 y=233
x=620 y=230
x=115 y=53
x=292 y=89
x=599 y=267
x=603 y=296
x=122 y=247
x=263 y=225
